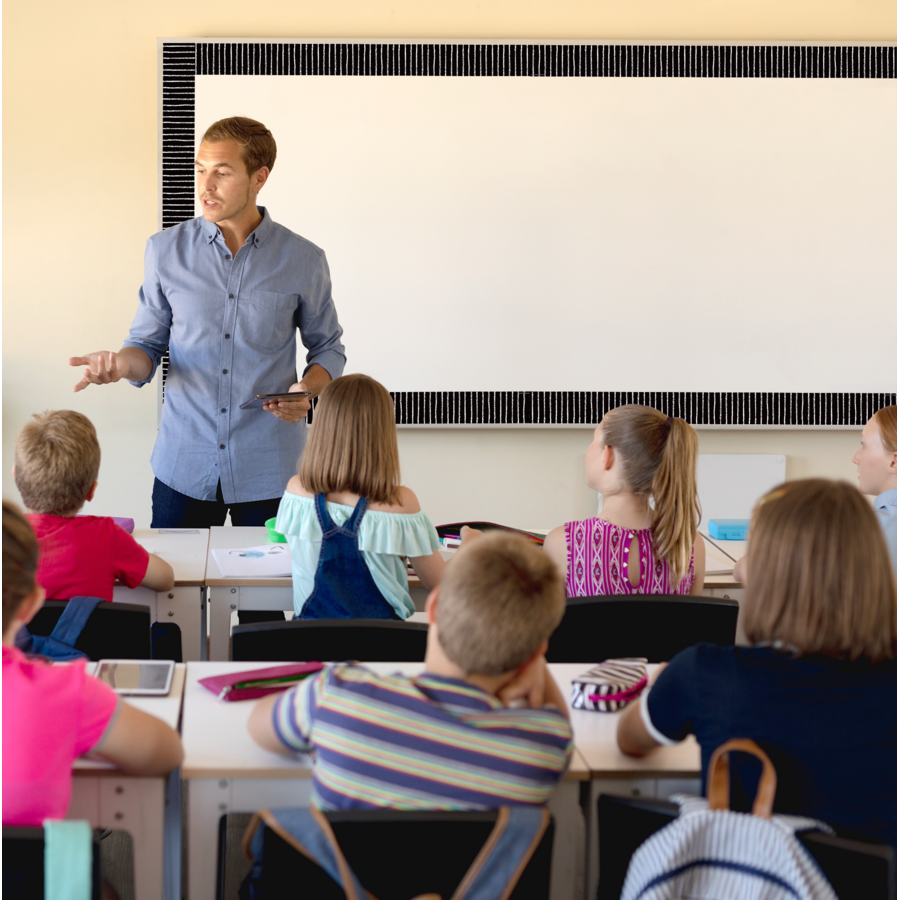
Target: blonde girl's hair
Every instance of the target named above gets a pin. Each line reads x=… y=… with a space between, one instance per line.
x=886 y=417
x=20 y=559
x=819 y=576
x=658 y=458
x=353 y=442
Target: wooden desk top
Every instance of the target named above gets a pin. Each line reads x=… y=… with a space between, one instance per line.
x=167 y=708
x=185 y=552
x=595 y=738
x=217 y=745
x=233 y=537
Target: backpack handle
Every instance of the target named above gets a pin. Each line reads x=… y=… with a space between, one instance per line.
x=718 y=778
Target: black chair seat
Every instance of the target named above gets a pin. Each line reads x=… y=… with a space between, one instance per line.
x=327 y=640
x=23 y=864
x=855 y=869
x=114 y=630
x=397 y=855
x=654 y=626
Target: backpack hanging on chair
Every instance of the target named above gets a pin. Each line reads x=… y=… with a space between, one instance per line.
x=59 y=645
x=712 y=853
x=492 y=876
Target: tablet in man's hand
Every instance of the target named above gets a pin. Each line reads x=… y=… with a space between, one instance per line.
x=259 y=399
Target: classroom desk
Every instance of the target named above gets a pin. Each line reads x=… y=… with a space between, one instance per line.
x=226 y=772
x=665 y=771
x=185 y=605
x=149 y=808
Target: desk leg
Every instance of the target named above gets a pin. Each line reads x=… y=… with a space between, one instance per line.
x=136 y=805
x=222 y=602
x=567 y=870
x=211 y=798
x=184 y=607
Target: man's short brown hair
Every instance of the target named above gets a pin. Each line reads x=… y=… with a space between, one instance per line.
x=819 y=577
x=57 y=461
x=255 y=140
x=20 y=559
x=500 y=598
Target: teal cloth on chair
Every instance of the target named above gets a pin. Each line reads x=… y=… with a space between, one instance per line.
x=68 y=860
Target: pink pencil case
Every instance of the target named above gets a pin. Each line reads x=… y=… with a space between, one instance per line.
x=610 y=686
x=259 y=682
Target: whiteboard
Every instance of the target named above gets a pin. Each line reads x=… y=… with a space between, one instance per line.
x=499 y=245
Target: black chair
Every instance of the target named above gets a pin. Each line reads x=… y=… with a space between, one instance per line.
x=655 y=626
x=114 y=630
x=854 y=868
x=437 y=850
x=326 y=640
x=23 y=864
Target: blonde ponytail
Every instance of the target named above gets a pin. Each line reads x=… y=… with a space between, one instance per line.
x=658 y=457
x=676 y=506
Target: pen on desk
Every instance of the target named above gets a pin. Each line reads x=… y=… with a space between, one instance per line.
x=711 y=541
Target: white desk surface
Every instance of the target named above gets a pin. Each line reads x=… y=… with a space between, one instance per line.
x=217 y=744
x=595 y=738
x=167 y=708
x=186 y=553
x=232 y=537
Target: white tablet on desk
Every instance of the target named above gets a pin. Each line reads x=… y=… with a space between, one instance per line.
x=137 y=677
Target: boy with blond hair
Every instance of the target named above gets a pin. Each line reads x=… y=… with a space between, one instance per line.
x=57 y=462
x=448 y=738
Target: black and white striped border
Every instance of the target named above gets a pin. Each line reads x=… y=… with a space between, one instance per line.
x=181 y=62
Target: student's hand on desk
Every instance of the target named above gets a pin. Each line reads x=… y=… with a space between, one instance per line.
x=290 y=410
x=530 y=684
x=102 y=367
x=467 y=535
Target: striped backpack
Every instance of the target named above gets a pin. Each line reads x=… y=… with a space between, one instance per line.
x=712 y=853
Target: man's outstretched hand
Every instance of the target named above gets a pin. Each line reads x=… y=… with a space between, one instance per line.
x=102 y=367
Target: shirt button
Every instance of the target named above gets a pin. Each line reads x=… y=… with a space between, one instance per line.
x=231 y=296
x=224 y=371
x=227 y=257
x=221 y=446
x=224 y=409
x=227 y=336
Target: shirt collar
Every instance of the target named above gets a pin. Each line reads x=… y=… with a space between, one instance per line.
x=885 y=499
x=263 y=230
x=445 y=681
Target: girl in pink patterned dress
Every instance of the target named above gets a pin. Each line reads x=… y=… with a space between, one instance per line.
x=645 y=541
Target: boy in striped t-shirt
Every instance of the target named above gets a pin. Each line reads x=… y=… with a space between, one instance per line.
x=484 y=726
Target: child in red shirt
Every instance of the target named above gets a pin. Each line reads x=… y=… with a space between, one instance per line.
x=57 y=461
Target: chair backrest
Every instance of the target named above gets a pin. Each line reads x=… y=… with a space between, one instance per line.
x=328 y=640
x=399 y=854
x=854 y=868
x=114 y=630
x=23 y=864
x=656 y=626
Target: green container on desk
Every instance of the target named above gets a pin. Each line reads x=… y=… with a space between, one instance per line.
x=276 y=537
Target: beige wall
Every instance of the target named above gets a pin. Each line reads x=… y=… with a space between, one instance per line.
x=80 y=198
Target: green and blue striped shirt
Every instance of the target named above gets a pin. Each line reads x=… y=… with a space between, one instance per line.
x=428 y=742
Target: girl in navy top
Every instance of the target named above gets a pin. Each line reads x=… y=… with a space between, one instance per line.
x=817 y=689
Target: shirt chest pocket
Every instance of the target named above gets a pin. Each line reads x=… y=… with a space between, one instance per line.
x=266 y=322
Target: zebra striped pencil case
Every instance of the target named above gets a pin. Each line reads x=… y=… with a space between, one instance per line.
x=611 y=685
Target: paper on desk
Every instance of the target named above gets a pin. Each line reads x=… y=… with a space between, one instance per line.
x=265 y=561
x=716 y=566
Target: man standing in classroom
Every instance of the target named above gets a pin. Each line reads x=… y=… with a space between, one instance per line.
x=225 y=293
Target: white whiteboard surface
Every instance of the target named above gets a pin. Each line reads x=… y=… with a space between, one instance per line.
x=729 y=484
x=614 y=234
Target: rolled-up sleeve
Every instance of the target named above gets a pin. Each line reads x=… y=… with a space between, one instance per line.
x=150 y=328
x=317 y=320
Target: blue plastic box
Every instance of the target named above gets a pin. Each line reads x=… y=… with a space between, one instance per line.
x=729 y=529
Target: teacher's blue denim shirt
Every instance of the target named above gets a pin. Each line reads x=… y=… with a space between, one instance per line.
x=230 y=327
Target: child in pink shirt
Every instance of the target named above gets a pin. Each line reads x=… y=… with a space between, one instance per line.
x=57 y=461
x=55 y=713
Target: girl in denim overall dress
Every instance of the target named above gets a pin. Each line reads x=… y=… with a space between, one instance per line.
x=349 y=523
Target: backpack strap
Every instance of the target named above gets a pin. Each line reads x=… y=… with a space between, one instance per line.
x=718 y=779
x=309 y=833
x=505 y=854
x=68 y=859
x=71 y=623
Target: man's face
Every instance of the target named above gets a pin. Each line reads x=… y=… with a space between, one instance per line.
x=224 y=186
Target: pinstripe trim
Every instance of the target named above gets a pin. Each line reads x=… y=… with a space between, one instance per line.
x=652 y=730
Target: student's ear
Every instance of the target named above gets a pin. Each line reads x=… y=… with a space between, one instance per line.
x=893 y=465
x=541 y=651
x=431 y=605
x=30 y=605
x=607 y=457
x=90 y=493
